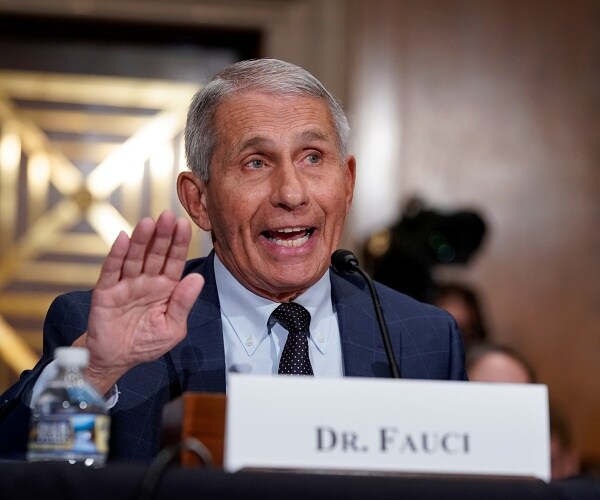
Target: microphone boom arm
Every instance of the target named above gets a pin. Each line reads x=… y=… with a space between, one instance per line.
x=346 y=262
x=382 y=325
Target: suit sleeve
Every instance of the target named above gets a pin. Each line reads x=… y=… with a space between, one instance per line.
x=66 y=320
x=457 y=354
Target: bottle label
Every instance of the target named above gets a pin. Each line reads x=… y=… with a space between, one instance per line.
x=77 y=434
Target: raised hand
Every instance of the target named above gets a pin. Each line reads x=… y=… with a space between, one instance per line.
x=139 y=305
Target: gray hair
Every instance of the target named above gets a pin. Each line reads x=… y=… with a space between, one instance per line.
x=264 y=75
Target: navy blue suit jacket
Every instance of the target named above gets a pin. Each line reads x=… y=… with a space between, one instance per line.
x=426 y=343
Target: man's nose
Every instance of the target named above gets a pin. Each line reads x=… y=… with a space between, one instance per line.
x=289 y=186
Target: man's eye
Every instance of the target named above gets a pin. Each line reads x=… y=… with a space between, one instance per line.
x=314 y=158
x=255 y=164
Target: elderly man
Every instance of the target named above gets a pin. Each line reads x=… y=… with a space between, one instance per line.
x=272 y=180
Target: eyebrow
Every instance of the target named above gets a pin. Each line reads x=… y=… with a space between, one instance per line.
x=253 y=142
x=312 y=135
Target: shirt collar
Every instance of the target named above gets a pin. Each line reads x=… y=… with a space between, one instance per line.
x=244 y=309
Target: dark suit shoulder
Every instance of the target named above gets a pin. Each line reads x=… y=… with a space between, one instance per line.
x=66 y=319
x=428 y=320
x=431 y=342
x=409 y=304
x=353 y=289
x=425 y=339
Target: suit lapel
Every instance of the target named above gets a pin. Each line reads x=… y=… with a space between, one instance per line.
x=362 y=349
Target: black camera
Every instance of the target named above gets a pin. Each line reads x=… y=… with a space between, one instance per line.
x=404 y=255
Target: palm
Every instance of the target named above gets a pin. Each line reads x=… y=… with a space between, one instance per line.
x=140 y=306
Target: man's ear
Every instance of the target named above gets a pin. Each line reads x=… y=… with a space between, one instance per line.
x=350 y=169
x=192 y=195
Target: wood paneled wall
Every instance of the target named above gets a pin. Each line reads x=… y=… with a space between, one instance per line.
x=496 y=106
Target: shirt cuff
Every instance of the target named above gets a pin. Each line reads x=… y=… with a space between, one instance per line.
x=49 y=372
x=111 y=397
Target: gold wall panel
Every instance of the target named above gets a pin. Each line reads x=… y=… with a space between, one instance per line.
x=81 y=158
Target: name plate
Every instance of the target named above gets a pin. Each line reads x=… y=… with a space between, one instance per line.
x=370 y=425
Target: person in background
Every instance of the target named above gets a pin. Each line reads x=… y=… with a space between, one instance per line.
x=564 y=457
x=498 y=363
x=463 y=304
x=488 y=362
x=272 y=180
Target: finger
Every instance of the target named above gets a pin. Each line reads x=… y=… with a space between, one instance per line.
x=183 y=298
x=178 y=251
x=158 y=248
x=139 y=241
x=110 y=273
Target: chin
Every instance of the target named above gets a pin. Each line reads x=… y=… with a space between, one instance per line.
x=293 y=284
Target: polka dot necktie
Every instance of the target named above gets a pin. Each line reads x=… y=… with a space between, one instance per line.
x=296 y=320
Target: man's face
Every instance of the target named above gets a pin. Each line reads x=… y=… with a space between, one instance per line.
x=278 y=193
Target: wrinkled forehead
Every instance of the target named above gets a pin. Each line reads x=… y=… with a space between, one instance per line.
x=243 y=111
x=240 y=96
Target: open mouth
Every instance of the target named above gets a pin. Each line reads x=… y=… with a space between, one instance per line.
x=290 y=237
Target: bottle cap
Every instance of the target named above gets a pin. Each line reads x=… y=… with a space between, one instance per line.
x=71 y=356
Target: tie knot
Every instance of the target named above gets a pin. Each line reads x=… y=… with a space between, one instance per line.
x=293 y=317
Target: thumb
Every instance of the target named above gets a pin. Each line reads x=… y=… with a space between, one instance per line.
x=184 y=296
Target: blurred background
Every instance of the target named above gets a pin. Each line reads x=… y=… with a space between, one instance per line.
x=476 y=127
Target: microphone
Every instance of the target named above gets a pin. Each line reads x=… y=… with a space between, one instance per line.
x=345 y=262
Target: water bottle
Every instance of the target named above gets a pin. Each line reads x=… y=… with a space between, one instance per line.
x=68 y=420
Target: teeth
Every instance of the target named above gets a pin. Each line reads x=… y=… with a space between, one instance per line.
x=291 y=243
x=294 y=242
